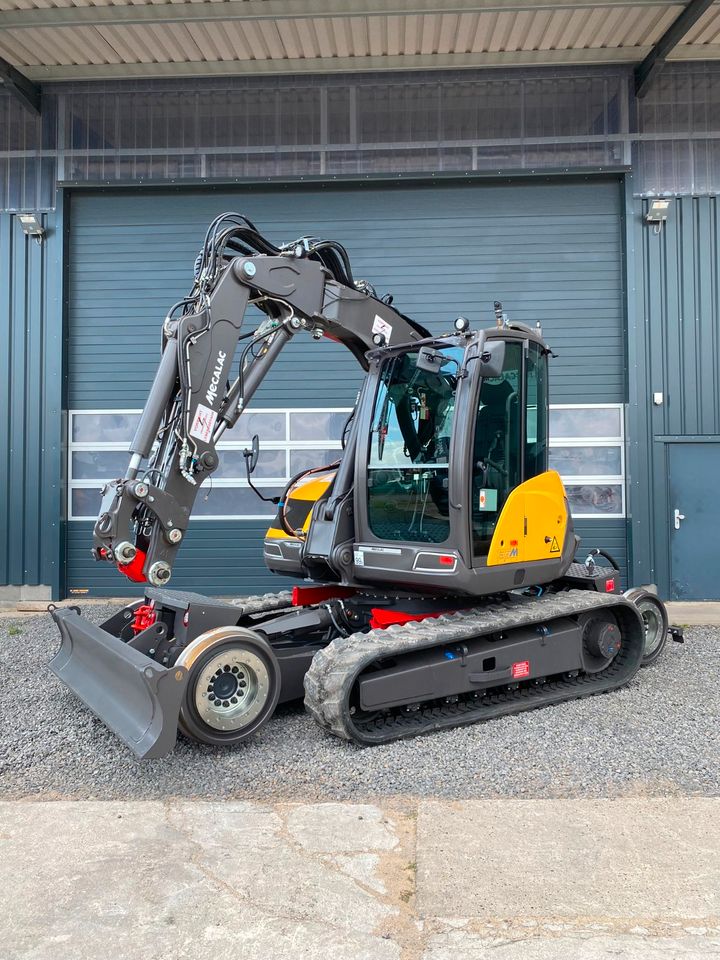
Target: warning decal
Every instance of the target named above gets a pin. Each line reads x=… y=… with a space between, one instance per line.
x=203 y=424
x=487 y=500
x=383 y=327
x=554 y=546
x=520 y=669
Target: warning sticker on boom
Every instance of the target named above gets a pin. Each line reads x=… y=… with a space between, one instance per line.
x=382 y=327
x=554 y=546
x=203 y=424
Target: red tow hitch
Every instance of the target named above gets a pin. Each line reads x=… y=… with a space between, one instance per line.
x=145 y=616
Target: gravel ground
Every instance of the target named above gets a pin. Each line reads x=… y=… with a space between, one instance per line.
x=658 y=736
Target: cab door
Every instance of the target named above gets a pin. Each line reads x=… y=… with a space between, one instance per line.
x=510 y=442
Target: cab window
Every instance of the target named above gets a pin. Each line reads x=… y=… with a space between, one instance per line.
x=409 y=450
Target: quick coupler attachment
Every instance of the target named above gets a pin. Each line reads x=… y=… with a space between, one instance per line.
x=137 y=698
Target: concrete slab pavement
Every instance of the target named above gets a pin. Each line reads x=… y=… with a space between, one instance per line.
x=611 y=859
x=704 y=613
x=407 y=880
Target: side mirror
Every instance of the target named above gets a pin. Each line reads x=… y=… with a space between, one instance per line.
x=251 y=455
x=430 y=360
x=492 y=359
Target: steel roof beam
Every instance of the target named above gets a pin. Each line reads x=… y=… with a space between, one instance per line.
x=20 y=87
x=655 y=60
x=328 y=65
x=280 y=10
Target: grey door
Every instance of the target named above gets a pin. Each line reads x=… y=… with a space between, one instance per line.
x=694 y=511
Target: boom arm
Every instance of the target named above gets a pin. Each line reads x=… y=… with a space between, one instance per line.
x=305 y=286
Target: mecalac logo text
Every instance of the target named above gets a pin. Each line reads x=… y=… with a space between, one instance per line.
x=212 y=391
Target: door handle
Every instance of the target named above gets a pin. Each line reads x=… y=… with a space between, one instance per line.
x=678 y=517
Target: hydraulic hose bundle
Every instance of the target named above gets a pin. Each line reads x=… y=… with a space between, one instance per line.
x=234 y=235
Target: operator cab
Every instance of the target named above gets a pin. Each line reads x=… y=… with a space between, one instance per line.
x=455 y=422
x=468 y=432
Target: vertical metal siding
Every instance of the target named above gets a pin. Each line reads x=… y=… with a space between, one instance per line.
x=677 y=353
x=610 y=535
x=551 y=251
x=31 y=414
x=682 y=286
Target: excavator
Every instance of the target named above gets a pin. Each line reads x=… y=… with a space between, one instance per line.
x=434 y=560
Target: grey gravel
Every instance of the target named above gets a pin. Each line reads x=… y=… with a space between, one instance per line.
x=659 y=736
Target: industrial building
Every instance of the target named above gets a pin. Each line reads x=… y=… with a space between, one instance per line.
x=560 y=157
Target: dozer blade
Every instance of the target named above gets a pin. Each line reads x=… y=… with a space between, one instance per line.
x=137 y=698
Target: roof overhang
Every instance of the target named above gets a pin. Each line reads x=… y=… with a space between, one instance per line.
x=76 y=40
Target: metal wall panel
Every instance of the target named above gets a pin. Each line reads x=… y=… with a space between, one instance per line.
x=675 y=344
x=31 y=407
x=681 y=308
x=551 y=251
x=609 y=535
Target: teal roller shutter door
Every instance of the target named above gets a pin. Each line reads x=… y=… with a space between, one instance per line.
x=551 y=251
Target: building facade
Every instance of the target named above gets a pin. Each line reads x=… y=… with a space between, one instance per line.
x=451 y=189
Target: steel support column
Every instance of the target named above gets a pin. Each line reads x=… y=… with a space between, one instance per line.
x=18 y=86
x=655 y=60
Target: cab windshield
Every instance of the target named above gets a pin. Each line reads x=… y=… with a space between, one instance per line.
x=410 y=449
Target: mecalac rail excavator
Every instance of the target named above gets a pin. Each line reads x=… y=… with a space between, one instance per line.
x=435 y=557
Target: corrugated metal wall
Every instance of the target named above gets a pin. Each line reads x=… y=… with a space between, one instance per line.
x=31 y=467
x=677 y=349
x=681 y=305
x=551 y=251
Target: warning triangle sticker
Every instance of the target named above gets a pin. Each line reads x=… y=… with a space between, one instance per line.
x=554 y=548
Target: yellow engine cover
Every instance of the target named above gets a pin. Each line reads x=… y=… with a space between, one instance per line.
x=302 y=497
x=533 y=522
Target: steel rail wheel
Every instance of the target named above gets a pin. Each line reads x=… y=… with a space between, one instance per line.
x=655 y=621
x=233 y=685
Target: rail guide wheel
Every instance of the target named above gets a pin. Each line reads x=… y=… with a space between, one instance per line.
x=233 y=685
x=655 y=620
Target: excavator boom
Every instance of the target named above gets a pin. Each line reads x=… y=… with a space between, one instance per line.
x=193 y=398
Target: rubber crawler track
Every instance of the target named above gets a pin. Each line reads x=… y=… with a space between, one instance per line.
x=335 y=669
x=244 y=606
x=262 y=603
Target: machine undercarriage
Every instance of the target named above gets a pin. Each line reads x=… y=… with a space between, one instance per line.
x=371 y=668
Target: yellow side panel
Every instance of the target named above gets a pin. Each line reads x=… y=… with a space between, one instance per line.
x=307 y=491
x=533 y=522
x=311 y=489
x=276 y=533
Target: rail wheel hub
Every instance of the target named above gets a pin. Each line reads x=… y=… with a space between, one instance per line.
x=232 y=689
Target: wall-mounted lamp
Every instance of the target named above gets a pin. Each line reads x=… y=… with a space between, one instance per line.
x=31 y=226
x=657 y=214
